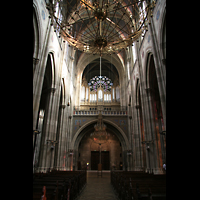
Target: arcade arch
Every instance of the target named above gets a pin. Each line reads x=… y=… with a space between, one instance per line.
x=85 y=59
x=117 y=135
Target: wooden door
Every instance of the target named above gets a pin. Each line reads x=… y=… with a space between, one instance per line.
x=105 y=160
x=94 y=160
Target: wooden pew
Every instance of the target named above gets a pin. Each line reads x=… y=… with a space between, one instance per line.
x=139 y=185
x=53 y=191
x=60 y=185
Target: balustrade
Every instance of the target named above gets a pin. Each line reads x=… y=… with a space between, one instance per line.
x=84 y=110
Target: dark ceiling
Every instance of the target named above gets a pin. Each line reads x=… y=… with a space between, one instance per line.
x=100 y=26
x=107 y=69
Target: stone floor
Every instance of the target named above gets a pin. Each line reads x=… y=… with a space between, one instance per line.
x=97 y=187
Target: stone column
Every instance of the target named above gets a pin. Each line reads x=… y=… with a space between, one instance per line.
x=131 y=139
x=125 y=162
x=162 y=139
x=66 y=137
x=35 y=62
x=71 y=159
x=160 y=69
x=61 y=153
x=45 y=152
x=153 y=150
x=150 y=150
x=139 y=156
x=68 y=146
x=38 y=75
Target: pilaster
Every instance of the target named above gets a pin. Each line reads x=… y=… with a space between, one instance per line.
x=60 y=154
x=160 y=67
x=45 y=153
x=38 y=74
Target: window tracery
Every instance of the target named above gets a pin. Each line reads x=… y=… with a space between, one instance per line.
x=102 y=81
x=99 y=89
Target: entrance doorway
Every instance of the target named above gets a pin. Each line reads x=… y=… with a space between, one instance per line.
x=105 y=160
x=88 y=153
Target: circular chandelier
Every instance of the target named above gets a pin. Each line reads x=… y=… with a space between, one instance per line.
x=100 y=26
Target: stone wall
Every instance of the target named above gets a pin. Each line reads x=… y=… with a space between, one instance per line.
x=112 y=145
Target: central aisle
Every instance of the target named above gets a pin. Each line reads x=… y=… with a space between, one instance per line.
x=98 y=187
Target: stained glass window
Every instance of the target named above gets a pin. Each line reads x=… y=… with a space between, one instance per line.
x=83 y=93
x=100 y=96
x=105 y=82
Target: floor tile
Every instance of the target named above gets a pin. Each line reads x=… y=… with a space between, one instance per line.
x=97 y=187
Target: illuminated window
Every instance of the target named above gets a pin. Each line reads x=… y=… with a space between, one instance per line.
x=83 y=93
x=143 y=15
x=134 y=54
x=93 y=97
x=96 y=82
x=86 y=94
x=113 y=93
x=109 y=97
x=117 y=93
x=100 y=95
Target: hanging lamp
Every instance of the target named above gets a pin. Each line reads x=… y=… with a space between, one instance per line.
x=100 y=26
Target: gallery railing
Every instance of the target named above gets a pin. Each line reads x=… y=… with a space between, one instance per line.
x=104 y=110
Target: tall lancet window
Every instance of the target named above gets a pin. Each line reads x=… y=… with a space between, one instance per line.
x=117 y=94
x=134 y=53
x=100 y=95
x=113 y=90
x=87 y=94
x=83 y=93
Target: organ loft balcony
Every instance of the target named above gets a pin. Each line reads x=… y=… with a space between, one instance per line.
x=107 y=110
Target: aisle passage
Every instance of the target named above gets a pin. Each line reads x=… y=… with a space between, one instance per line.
x=98 y=188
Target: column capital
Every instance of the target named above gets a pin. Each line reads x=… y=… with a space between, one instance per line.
x=52 y=90
x=35 y=61
x=36 y=131
x=49 y=90
x=62 y=106
x=137 y=106
x=148 y=90
x=72 y=58
x=164 y=61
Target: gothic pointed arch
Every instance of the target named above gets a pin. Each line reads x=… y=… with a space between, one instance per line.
x=156 y=109
x=119 y=132
x=36 y=32
x=51 y=63
x=140 y=124
x=163 y=38
x=112 y=128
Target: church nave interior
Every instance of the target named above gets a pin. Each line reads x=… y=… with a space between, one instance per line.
x=99 y=92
